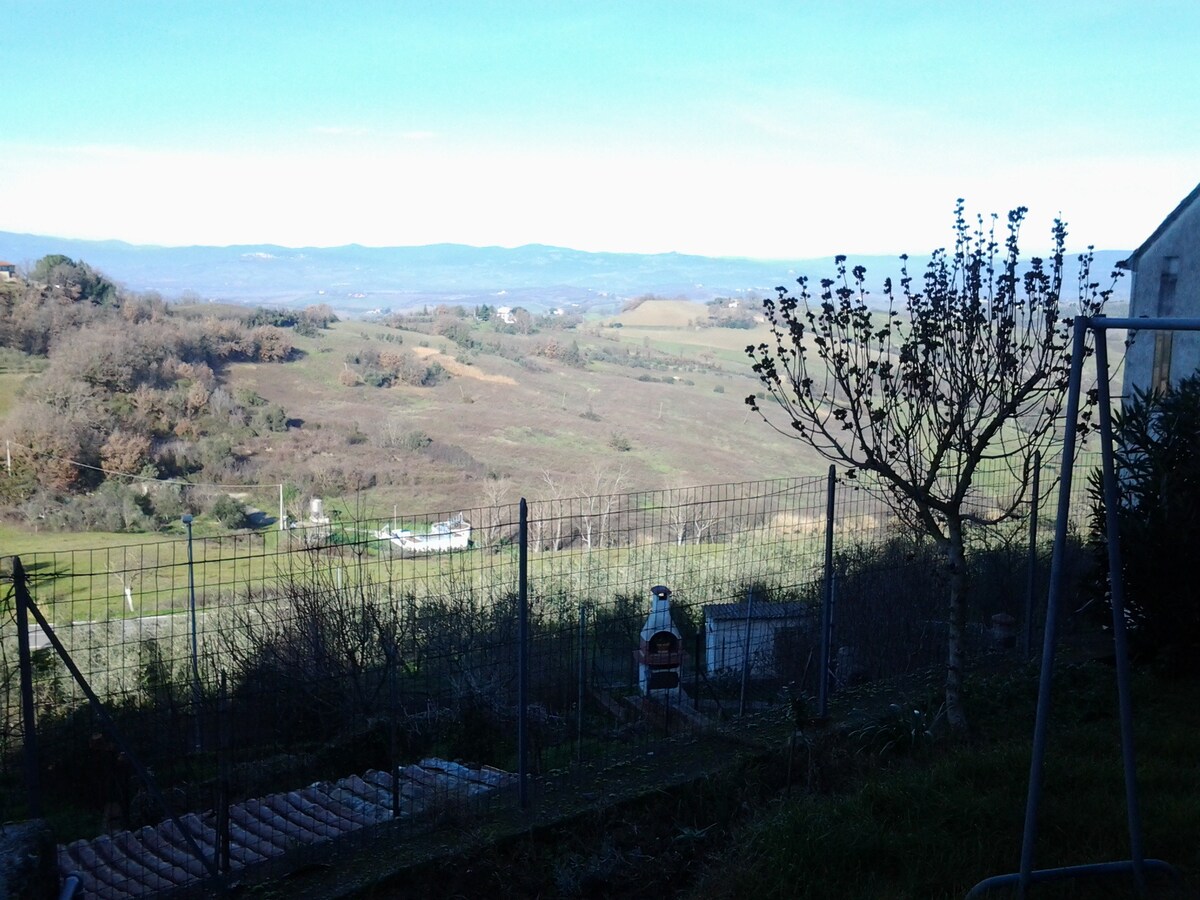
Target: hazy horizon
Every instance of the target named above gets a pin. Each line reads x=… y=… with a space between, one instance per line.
x=769 y=131
x=912 y=252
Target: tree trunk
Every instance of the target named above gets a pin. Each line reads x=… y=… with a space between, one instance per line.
x=956 y=564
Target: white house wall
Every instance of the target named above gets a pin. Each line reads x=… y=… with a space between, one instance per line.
x=1179 y=239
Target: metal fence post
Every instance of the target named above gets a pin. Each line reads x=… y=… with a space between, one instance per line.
x=393 y=739
x=582 y=678
x=1112 y=530
x=746 y=652
x=1031 y=586
x=1041 y=723
x=187 y=521
x=29 y=724
x=224 y=770
x=106 y=721
x=523 y=658
x=827 y=598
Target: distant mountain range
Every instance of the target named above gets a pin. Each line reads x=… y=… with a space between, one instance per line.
x=356 y=280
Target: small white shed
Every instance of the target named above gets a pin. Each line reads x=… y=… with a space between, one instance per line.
x=725 y=634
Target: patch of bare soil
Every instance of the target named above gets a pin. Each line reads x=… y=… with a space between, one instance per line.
x=454 y=367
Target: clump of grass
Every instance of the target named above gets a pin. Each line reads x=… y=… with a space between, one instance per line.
x=620 y=442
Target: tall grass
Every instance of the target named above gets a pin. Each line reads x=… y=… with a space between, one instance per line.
x=933 y=826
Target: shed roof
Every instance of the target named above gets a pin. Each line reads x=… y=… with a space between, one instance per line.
x=1132 y=261
x=760 y=610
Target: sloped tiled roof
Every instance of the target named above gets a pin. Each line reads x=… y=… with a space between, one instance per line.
x=1132 y=261
x=154 y=860
x=761 y=610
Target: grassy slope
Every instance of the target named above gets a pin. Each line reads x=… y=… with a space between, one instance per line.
x=520 y=422
x=934 y=826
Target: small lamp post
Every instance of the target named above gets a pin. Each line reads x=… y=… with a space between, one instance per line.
x=187 y=522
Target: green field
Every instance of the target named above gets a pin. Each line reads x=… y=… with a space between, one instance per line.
x=83 y=580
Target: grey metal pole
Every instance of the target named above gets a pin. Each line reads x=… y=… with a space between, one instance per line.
x=1031 y=584
x=1057 y=586
x=106 y=720
x=746 y=652
x=224 y=767
x=582 y=679
x=1117 y=596
x=187 y=521
x=32 y=787
x=523 y=659
x=827 y=599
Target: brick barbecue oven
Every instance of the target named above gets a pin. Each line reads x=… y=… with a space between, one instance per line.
x=660 y=652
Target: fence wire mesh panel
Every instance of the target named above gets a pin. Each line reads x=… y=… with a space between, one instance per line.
x=266 y=694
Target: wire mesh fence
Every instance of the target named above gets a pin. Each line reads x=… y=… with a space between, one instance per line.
x=389 y=666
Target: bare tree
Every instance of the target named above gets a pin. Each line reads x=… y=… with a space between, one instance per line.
x=523 y=320
x=547 y=527
x=705 y=518
x=495 y=494
x=963 y=375
x=599 y=499
x=128 y=579
x=679 y=513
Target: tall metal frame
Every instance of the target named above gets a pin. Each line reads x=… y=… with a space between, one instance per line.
x=1137 y=865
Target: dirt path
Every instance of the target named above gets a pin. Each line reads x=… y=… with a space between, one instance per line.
x=454 y=367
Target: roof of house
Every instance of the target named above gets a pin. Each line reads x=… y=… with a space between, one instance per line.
x=762 y=609
x=154 y=858
x=1132 y=261
x=3 y=263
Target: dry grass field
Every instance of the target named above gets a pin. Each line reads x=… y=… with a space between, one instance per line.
x=658 y=405
x=662 y=314
x=10 y=384
x=649 y=412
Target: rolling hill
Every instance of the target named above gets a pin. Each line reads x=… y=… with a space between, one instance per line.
x=356 y=280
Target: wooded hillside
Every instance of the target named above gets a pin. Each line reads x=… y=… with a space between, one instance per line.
x=126 y=386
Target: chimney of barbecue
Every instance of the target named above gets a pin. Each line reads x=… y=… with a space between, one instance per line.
x=660 y=651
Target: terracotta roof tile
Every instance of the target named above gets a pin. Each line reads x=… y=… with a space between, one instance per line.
x=155 y=860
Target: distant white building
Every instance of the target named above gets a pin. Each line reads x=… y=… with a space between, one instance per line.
x=505 y=315
x=8 y=271
x=443 y=537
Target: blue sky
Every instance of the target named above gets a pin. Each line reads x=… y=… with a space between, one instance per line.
x=761 y=129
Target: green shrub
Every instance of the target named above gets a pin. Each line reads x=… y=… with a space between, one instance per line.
x=620 y=442
x=1158 y=520
x=904 y=729
x=112 y=507
x=270 y=418
x=228 y=511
